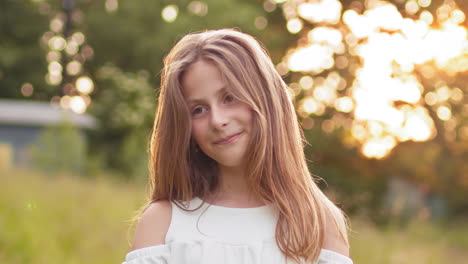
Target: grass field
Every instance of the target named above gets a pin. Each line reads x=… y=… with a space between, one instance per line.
x=64 y=219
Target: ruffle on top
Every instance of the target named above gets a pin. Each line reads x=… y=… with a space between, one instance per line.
x=212 y=252
x=221 y=235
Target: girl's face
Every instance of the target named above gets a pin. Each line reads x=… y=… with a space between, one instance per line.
x=221 y=124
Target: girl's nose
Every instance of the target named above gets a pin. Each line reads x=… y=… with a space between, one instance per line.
x=219 y=117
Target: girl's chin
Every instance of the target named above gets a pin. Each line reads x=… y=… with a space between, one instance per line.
x=229 y=162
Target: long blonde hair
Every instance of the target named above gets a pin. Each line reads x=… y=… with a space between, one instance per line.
x=277 y=166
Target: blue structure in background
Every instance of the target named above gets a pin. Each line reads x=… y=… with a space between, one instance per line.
x=21 y=123
x=406 y=200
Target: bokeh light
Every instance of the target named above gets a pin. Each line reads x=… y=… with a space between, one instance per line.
x=84 y=85
x=78 y=37
x=198 y=8
x=56 y=25
x=269 y=6
x=65 y=102
x=52 y=79
x=321 y=11
x=306 y=82
x=444 y=113
x=66 y=55
x=87 y=52
x=424 y=3
x=387 y=98
x=74 y=67
x=55 y=68
x=27 y=89
x=457 y=94
x=112 y=6
x=411 y=7
x=77 y=104
x=53 y=56
x=294 y=25
x=378 y=147
x=72 y=48
x=169 y=13
x=344 y=104
x=327 y=36
x=314 y=58
x=57 y=43
x=261 y=22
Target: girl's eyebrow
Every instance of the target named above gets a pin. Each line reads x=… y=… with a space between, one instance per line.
x=220 y=91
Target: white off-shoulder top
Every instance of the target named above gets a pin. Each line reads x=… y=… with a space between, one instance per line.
x=216 y=234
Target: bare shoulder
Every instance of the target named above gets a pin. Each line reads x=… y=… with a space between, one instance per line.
x=336 y=238
x=153 y=224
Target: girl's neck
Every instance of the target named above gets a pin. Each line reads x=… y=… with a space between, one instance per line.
x=233 y=190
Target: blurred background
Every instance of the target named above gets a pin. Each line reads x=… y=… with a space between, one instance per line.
x=380 y=88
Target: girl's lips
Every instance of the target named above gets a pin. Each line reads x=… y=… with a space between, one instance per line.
x=229 y=139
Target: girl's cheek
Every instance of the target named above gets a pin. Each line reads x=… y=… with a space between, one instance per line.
x=196 y=129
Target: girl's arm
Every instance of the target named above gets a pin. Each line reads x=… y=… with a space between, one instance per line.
x=336 y=238
x=153 y=225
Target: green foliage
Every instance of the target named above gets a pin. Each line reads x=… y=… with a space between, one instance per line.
x=59 y=148
x=86 y=220
x=21 y=57
x=64 y=219
x=126 y=100
x=129 y=45
x=133 y=157
x=125 y=107
x=419 y=242
x=135 y=37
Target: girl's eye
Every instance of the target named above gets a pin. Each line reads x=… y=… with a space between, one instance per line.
x=229 y=98
x=198 y=111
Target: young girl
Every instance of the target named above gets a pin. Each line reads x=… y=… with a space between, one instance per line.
x=229 y=180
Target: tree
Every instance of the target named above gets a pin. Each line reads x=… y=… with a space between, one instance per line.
x=118 y=46
x=21 y=57
x=389 y=80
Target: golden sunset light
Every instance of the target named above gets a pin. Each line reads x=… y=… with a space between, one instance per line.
x=390 y=47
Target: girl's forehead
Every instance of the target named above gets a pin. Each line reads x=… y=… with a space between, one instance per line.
x=202 y=79
x=203 y=71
